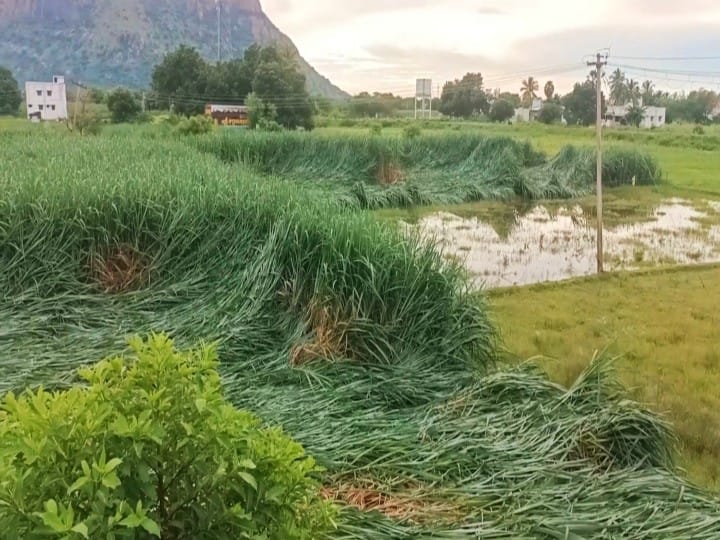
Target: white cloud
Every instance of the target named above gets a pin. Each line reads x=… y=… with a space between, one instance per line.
x=384 y=44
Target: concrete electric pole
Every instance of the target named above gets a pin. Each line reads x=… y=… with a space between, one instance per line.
x=598 y=64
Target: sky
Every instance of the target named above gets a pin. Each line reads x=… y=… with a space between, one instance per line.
x=384 y=45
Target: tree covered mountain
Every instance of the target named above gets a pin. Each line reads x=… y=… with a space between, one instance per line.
x=118 y=42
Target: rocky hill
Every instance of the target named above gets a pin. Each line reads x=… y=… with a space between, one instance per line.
x=112 y=43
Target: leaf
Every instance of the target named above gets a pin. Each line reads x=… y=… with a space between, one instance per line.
x=78 y=484
x=274 y=493
x=51 y=506
x=247 y=464
x=133 y=521
x=81 y=529
x=200 y=404
x=151 y=526
x=111 y=481
x=249 y=478
x=112 y=464
x=51 y=519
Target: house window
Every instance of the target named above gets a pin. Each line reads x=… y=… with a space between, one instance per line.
x=49 y=93
x=39 y=92
x=41 y=107
x=29 y=105
x=53 y=107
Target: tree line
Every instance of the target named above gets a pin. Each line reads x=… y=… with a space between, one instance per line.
x=267 y=79
x=469 y=98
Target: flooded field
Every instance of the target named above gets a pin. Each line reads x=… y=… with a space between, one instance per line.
x=542 y=243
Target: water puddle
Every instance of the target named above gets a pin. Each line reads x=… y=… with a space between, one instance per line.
x=543 y=244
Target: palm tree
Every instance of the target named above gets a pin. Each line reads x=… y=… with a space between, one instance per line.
x=648 y=92
x=635 y=115
x=618 y=90
x=549 y=90
x=633 y=90
x=528 y=90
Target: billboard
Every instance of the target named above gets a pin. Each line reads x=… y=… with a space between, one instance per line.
x=423 y=88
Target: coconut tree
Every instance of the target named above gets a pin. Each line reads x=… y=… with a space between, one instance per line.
x=618 y=89
x=635 y=115
x=648 y=92
x=528 y=90
x=549 y=90
x=633 y=90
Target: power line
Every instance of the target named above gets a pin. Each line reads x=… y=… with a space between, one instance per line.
x=646 y=69
x=668 y=58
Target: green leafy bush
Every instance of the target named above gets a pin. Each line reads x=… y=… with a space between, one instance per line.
x=502 y=111
x=150 y=448
x=412 y=132
x=195 y=125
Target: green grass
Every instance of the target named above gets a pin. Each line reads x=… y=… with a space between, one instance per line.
x=687 y=160
x=449 y=168
x=363 y=345
x=663 y=326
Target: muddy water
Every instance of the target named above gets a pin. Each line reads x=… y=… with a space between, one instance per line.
x=541 y=245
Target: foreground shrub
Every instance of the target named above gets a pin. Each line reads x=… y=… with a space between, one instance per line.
x=150 y=448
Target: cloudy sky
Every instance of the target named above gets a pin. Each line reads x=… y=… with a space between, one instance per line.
x=383 y=45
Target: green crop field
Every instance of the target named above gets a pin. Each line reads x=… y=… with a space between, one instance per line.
x=662 y=327
x=362 y=343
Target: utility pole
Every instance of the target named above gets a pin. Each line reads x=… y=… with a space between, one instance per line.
x=217 y=8
x=599 y=63
x=143 y=102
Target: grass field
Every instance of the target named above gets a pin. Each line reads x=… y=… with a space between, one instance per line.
x=664 y=329
x=362 y=344
x=687 y=160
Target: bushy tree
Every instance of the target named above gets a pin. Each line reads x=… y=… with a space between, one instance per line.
x=551 y=113
x=278 y=81
x=261 y=115
x=123 y=106
x=549 y=90
x=97 y=95
x=465 y=98
x=510 y=97
x=10 y=96
x=181 y=81
x=377 y=104
x=150 y=448
x=581 y=104
x=501 y=111
x=187 y=83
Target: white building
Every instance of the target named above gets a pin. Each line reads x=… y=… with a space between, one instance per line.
x=616 y=116
x=529 y=114
x=47 y=100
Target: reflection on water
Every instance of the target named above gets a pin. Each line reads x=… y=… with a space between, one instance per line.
x=541 y=246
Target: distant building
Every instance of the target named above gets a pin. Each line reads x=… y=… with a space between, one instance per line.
x=715 y=114
x=228 y=115
x=47 y=100
x=529 y=114
x=654 y=117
